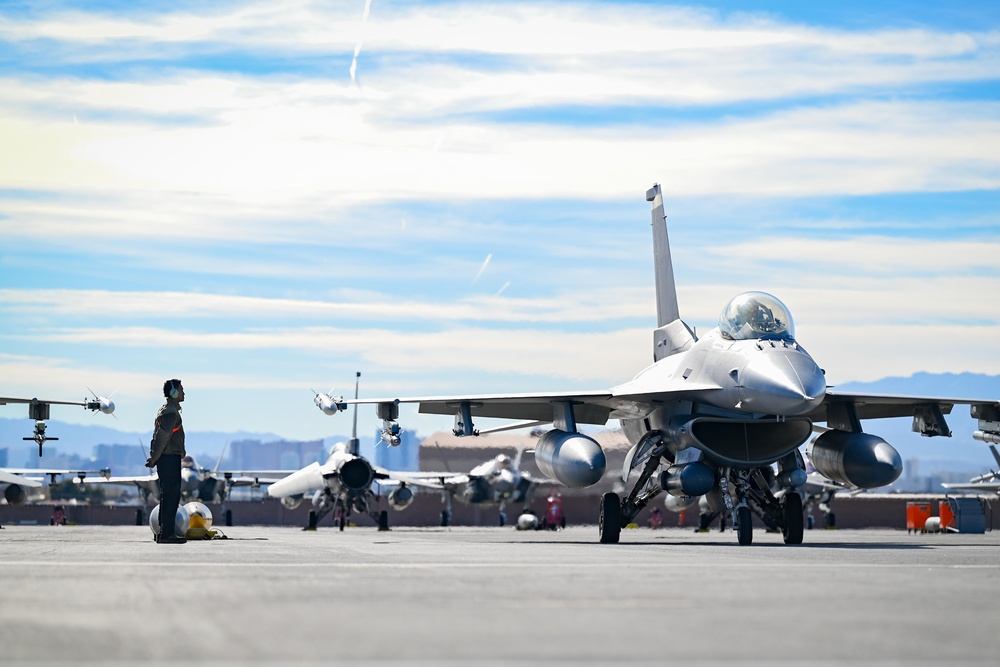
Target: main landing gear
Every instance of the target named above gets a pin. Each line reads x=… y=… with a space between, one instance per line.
x=744 y=492
x=610 y=520
x=365 y=504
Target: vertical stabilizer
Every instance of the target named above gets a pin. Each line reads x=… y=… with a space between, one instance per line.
x=672 y=335
x=666 y=293
x=354 y=446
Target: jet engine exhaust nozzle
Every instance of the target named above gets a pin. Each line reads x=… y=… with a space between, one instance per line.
x=356 y=474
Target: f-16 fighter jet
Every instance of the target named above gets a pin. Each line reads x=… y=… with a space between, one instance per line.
x=711 y=415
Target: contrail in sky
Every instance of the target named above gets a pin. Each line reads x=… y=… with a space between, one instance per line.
x=482 y=268
x=361 y=40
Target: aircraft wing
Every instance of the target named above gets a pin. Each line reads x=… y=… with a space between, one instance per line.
x=10 y=477
x=880 y=406
x=432 y=480
x=255 y=478
x=592 y=407
x=249 y=477
x=122 y=479
x=589 y=407
x=993 y=487
x=50 y=472
x=4 y=401
x=836 y=409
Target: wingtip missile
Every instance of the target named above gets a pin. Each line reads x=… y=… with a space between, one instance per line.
x=329 y=404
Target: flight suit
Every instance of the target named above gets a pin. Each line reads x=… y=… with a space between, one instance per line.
x=166 y=450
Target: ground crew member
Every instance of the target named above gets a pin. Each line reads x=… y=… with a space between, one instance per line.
x=165 y=452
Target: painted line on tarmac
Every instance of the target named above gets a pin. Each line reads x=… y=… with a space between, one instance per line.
x=34 y=564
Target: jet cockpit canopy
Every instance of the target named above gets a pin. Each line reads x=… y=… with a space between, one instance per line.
x=753 y=315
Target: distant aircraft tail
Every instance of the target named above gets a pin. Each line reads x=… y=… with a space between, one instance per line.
x=672 y=334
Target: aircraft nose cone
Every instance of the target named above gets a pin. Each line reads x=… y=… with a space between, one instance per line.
x=782 y=384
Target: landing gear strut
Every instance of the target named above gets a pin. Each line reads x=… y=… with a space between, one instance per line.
x=616 y=514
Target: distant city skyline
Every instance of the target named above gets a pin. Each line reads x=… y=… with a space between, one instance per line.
x=959 y=452
x=449 y=196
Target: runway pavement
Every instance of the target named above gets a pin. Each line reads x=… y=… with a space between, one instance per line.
x=98 y=595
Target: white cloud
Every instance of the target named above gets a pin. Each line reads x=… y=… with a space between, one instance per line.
x=464 y=102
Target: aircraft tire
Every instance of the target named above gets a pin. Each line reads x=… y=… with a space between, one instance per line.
x=229 y=517
x=383 y=520
x=792 y=519
x=744 y=531
x=341 y=522
x=610 y=519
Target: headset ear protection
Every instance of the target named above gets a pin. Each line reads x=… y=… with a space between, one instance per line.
x=174 y=389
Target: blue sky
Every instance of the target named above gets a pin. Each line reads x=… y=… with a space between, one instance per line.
x=262 y=198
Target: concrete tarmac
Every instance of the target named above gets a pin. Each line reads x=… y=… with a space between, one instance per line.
x=484 y=596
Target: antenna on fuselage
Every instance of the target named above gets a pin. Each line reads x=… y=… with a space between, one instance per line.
x=354 y=445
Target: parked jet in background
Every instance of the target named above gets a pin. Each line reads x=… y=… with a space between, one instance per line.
x=498 y=481
x=343 y=483
x=984 y=483
x=16 y=481
x=198 y=483
x=711 y=414
x=39 y=411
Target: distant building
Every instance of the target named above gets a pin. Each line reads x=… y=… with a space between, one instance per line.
x=403 y=457
x=281 y=455
x=122 y=459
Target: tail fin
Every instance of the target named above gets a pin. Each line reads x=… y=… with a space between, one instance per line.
x=672 y=335
x=354 y=446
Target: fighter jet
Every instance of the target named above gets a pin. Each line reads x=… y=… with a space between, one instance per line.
x=17 y=480
x=343 y=483
x=39 y=411
x=711 y=414
x=984 y=483
x=497 y=481
x=197 y=483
